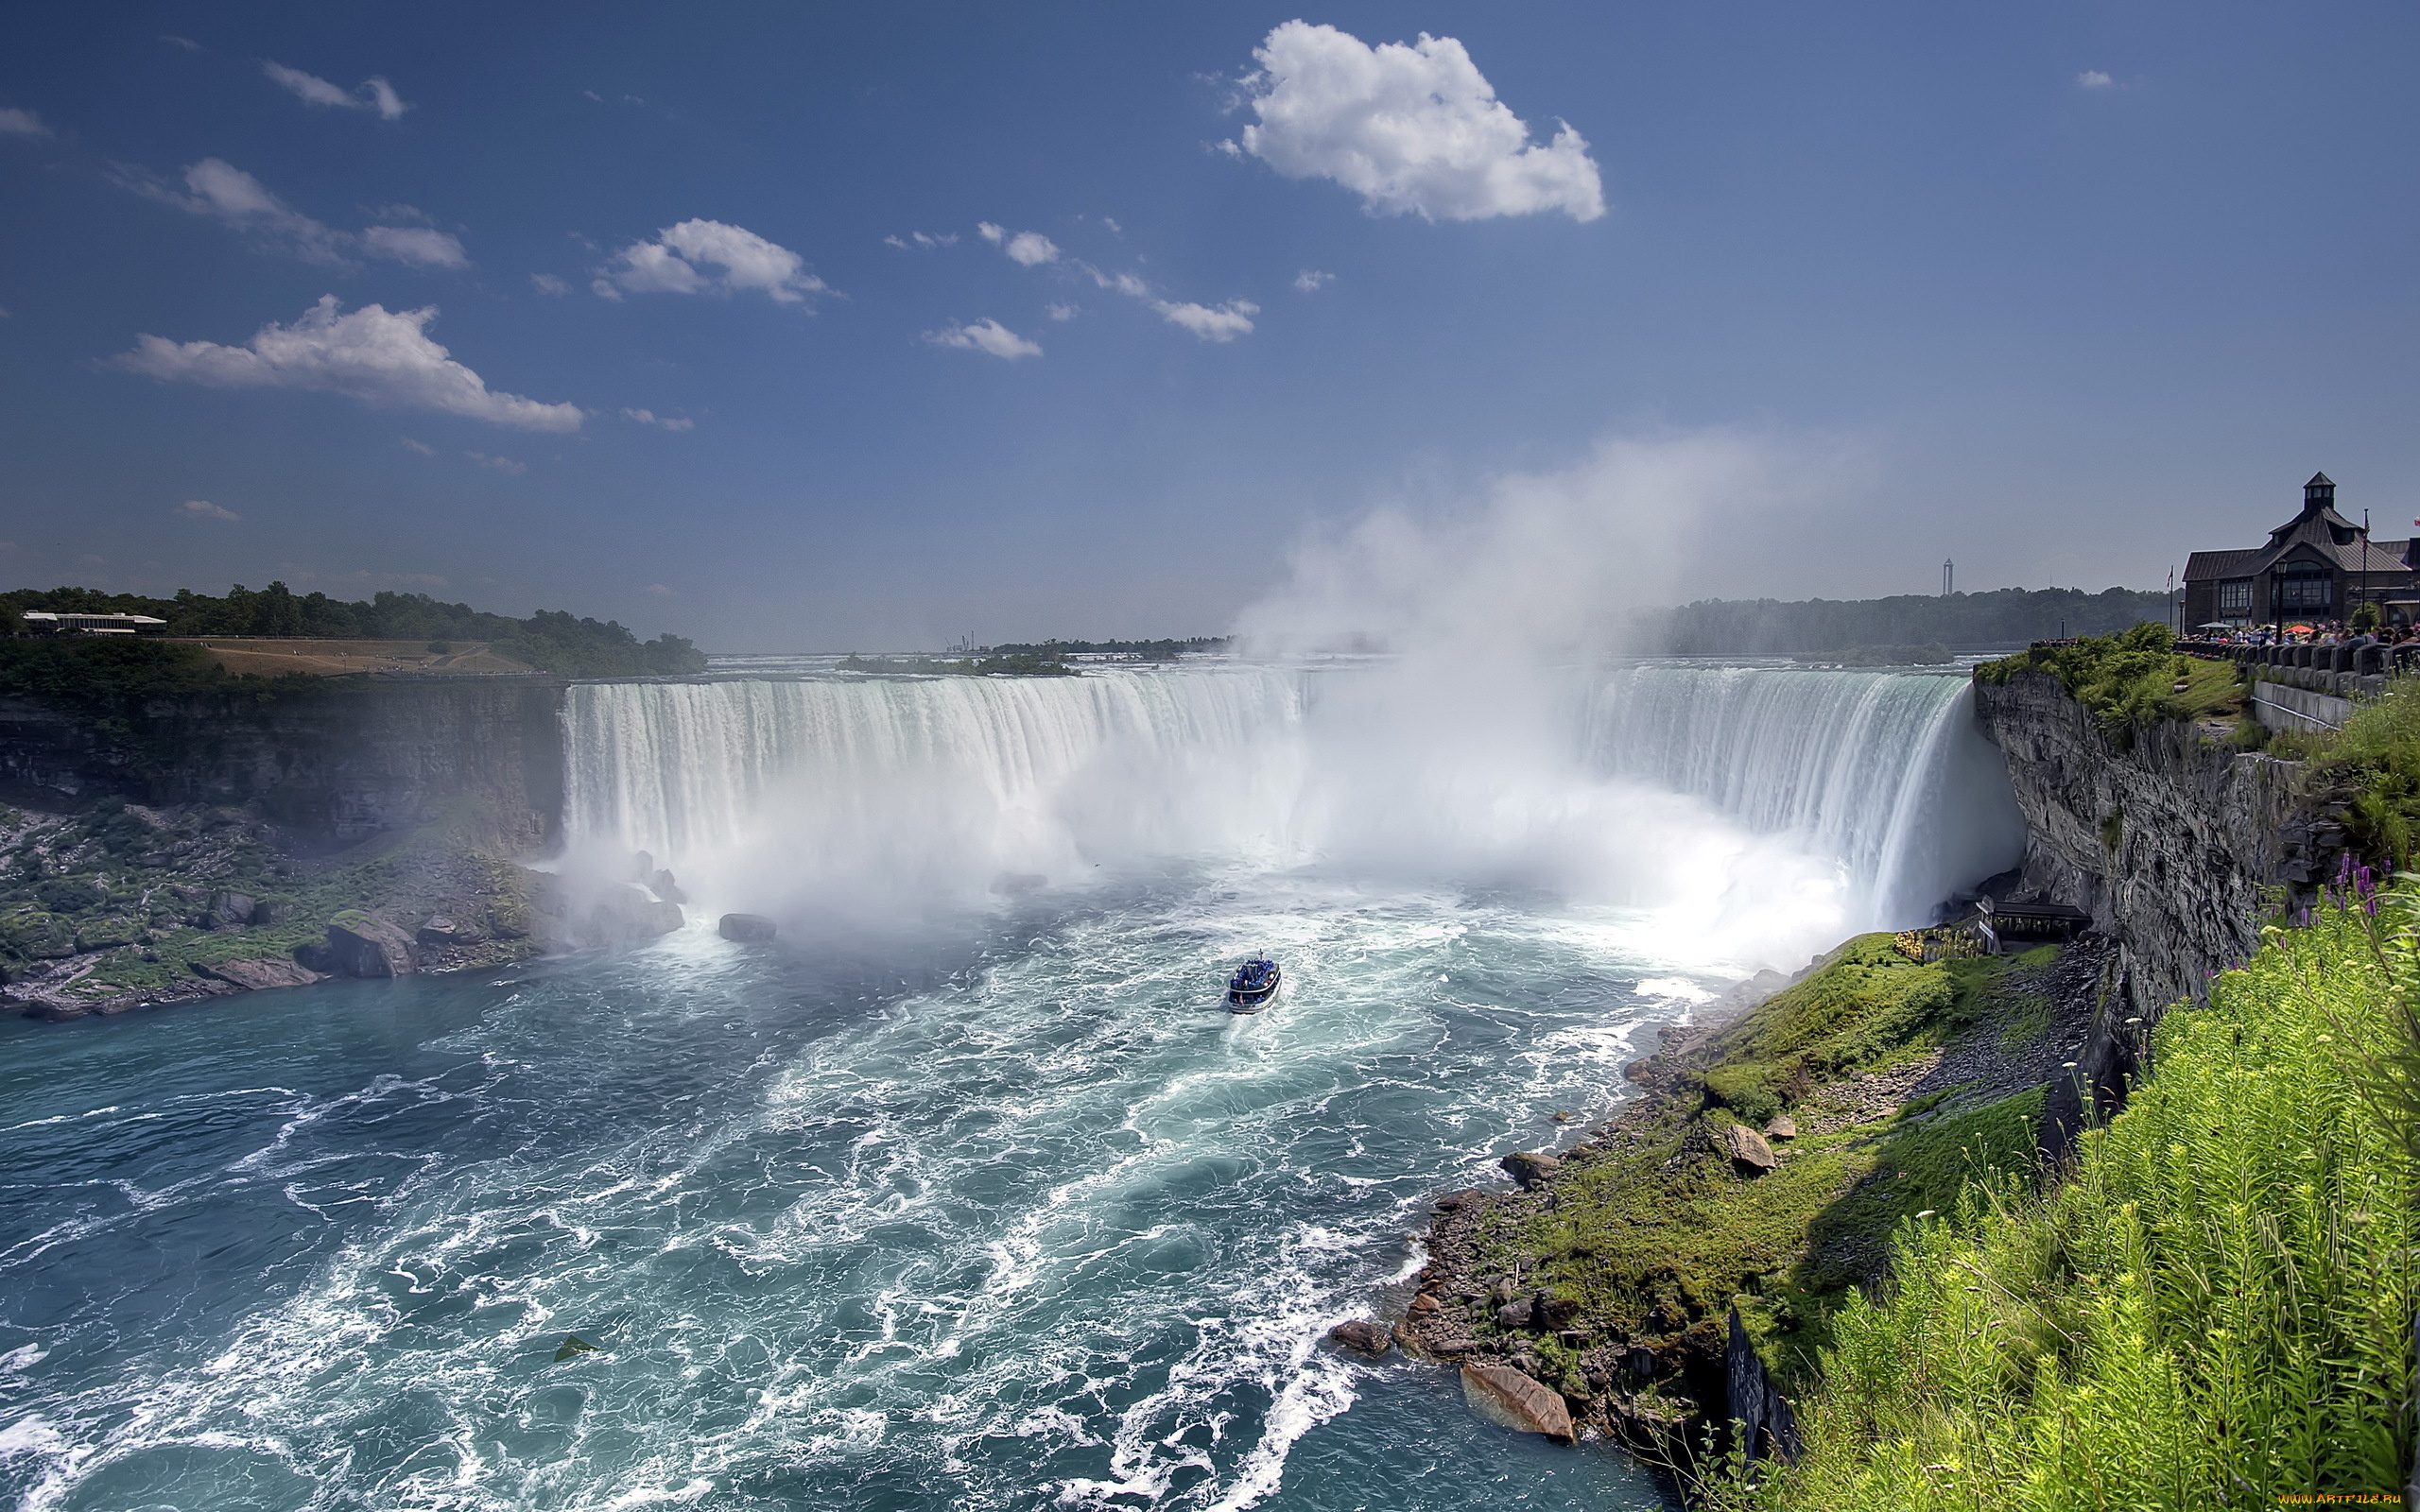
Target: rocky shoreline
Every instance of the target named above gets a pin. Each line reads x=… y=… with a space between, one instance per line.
x=124 y=907
x=1657 y=1362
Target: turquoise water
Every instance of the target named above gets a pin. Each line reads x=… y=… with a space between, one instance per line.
x=953 y=1199
x=1011 y=1214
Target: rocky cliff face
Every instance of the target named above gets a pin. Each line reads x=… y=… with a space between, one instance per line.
x=2174 y=841
x=332 y=767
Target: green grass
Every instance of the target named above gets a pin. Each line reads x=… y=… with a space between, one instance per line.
x=1664 y=1223
x=2130 y=679
x=2215 y=1311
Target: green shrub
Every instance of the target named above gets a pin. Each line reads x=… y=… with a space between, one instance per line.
x=2130 y=680
x=2215 y=1311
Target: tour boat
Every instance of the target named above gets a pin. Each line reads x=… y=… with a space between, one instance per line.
x=1253 y=984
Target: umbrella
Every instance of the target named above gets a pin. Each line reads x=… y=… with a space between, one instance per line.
x=2298 y=629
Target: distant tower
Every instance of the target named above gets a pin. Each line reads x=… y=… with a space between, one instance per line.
x=1948 y=575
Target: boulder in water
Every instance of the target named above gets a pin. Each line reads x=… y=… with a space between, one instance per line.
x=363 y=944
x=1362 y=1337
x=628 y=912
x=1507 y=1398
x=749 y=929
x=664 y=888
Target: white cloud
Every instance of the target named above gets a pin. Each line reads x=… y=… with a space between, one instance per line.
x=416 y=245
x=669 y=422
x=381 y=358
x=659 y=591
x=180 y=43
x=1063 y=312
x=1126 y=283
x=204 y=509
x=225 y=193
x=421 y=447
x=1222 y=323
x=1030 y=249
x=1310 y=280
x=548 y=284
x=1413 y=130
x=921 y=241
x=373 y=95
x=672 y=264
x=15 y=122
x=2095 y=79
x=985 y=335
x=502 y=464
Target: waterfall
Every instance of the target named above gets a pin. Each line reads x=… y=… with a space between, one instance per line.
x=1885 y=771
x=1737 y=786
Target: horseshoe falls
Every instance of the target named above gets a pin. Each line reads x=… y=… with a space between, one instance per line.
x=967 y=1191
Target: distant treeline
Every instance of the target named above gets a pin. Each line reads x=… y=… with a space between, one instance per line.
x=1015 y=664
x=2004 y=616
x=550 y=639
x=1148 y=651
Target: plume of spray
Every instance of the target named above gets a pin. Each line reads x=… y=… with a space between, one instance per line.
x=1452 y=751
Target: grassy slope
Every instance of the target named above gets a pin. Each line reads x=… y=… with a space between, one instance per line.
x=2215 y=1311
x=1655 y=1219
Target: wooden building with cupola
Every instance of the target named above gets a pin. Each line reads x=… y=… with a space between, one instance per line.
x=2316 y=566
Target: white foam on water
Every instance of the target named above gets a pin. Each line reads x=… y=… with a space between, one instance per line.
x=1058 y=1230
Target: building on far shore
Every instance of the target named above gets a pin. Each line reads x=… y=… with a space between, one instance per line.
x=42 y=622
x=2316 y=566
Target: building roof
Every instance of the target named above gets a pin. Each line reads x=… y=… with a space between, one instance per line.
x=47 y=617
x=2317 y=533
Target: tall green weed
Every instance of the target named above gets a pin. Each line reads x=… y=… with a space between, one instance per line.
x=2215 y=1311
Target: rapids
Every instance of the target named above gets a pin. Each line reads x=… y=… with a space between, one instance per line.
x=968 y=1194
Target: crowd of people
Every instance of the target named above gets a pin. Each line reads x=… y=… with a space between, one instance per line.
x=2300 y=632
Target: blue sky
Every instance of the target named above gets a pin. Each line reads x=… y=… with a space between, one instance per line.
x=2060 y=291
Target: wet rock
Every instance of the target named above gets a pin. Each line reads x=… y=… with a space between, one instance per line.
x=366 y=945
x=1512 y=1399
x=626 y=912
x=1530 y=1167
x=1362 y=1336
x=1456 y=1201
x=749 y=929
x=1515 y=1313
x=1781 y=1126
x=1747 y=1148
x=664 y=888
x=440 y=931
x=1424 y=1304
x=259 y=976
